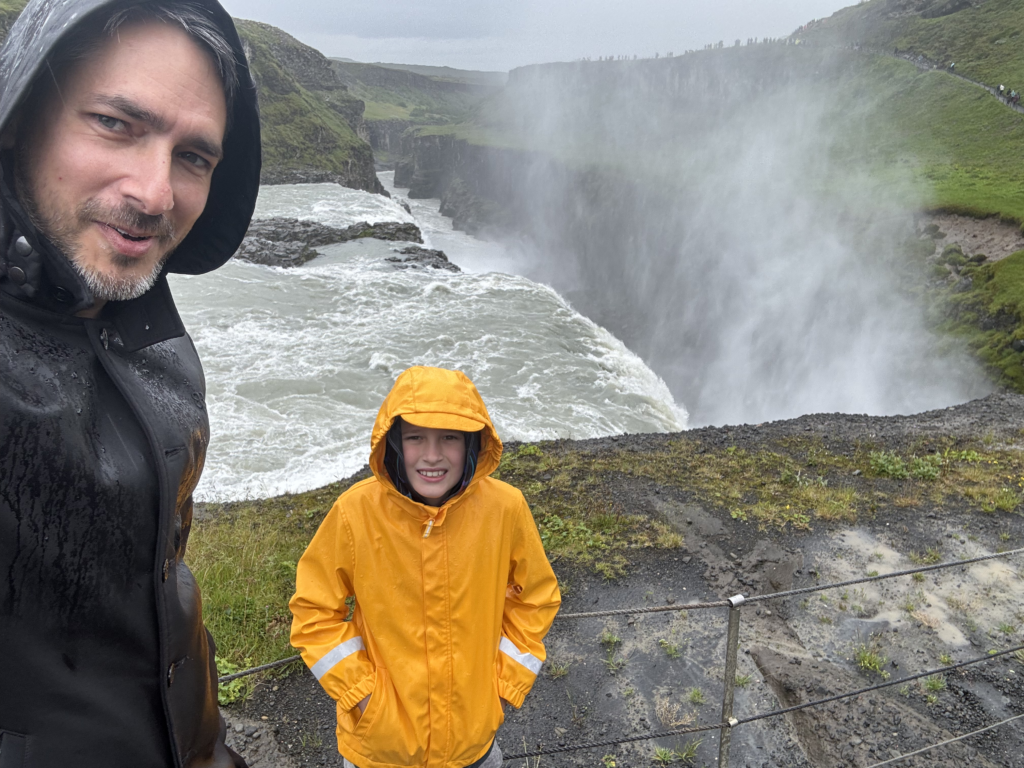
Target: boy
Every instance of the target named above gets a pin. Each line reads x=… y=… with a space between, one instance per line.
x=422 y=602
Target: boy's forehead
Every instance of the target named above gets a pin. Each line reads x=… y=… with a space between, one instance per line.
x=409 y=428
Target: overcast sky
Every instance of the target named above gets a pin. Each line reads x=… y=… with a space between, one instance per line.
x=474 y=34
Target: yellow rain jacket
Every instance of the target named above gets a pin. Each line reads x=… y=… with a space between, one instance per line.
x=435 y=611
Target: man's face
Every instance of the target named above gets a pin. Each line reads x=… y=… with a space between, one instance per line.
x=115 y=167
x=434 y=459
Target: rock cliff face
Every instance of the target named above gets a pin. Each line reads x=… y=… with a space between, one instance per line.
x=311 y=123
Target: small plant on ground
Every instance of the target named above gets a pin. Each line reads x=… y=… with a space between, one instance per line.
x=931 y=556
x=743 y=681
x=696 y=696
x=668 y=714
x=933 y=683
x=235 y=690
x=889 y=464
x=555 y=670
x=608 y=761
x=612 y=662
x=664 y=755
x=688 y=753
x=945 y=659
x=671 y=649
x=870 y=660
x=609 y=639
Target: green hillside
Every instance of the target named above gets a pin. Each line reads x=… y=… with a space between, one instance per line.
x=309 y=119
x=983 y=39
x=396 y=94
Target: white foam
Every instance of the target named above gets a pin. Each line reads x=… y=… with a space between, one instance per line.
x=299 y=360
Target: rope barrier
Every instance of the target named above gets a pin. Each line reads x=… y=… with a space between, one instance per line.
x=254 y=670
x=866 y=579
x=652 y=609
x=888 y=684
x=613 y=742
x=698 y=606
x=755 y=718
x=947 y=741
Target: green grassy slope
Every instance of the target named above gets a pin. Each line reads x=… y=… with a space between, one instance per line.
x=307 y=128
x=983 y=39
x=957 y=140
x=392 y=94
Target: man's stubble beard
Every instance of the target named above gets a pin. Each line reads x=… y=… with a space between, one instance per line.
x=63 y=231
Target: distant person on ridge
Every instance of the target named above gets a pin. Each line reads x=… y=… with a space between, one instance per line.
x=422 y=602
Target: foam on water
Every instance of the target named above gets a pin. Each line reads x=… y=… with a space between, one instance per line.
x=298 y=360
x=330 y=204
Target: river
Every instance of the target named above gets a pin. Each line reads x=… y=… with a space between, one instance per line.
x=298 y=360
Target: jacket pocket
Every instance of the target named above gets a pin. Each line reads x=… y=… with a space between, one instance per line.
x=12 y=750
x=385 y=729
x=372 y=706
x=496 y=698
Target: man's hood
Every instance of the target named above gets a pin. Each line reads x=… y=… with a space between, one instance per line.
x=435 y=397
x=218 y=232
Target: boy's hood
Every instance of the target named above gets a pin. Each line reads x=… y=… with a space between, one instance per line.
x=438 y=398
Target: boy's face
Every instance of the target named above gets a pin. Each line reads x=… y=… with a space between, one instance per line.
x=434 y=460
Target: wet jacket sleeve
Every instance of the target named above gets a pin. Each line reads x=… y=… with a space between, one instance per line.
x=325 y=626
x=531 y=602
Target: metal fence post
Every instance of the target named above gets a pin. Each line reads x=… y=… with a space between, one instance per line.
x=732 y=644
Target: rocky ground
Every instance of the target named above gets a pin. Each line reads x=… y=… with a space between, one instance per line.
x=632 y=675
x=992 y=237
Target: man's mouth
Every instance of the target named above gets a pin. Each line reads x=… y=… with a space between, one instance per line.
x=128 y=235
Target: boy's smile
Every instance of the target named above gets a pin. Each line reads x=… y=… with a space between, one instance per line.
x=434 y=460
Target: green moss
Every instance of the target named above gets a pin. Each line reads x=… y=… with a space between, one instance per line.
x=988 y=316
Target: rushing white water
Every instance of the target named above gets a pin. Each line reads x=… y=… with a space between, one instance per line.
x=298 y=360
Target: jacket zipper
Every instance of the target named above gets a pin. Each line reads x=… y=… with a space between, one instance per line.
x=430 y=527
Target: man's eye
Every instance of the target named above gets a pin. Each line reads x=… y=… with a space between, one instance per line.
x=110 y=123
x=193 y=159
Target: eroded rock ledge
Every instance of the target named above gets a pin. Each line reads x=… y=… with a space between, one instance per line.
x=283 y=242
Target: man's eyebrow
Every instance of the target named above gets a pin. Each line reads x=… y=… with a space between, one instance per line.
x=134 y=111
x=138 y=112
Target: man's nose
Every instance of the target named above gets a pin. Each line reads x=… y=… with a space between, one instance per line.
x=148 y=182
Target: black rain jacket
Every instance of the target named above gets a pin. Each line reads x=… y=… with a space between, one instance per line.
x=104 y=660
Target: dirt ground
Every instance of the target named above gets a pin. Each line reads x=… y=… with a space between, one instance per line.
x=992 y=237
x=630 y=675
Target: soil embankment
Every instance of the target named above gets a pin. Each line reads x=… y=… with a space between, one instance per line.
x=629 y=675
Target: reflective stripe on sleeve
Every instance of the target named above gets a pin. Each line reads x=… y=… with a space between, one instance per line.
x=336 y=655
x=528 y=660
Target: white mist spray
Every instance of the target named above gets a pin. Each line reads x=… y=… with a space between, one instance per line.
x=710 y=212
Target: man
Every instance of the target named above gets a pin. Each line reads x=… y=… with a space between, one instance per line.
x=130 y=149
